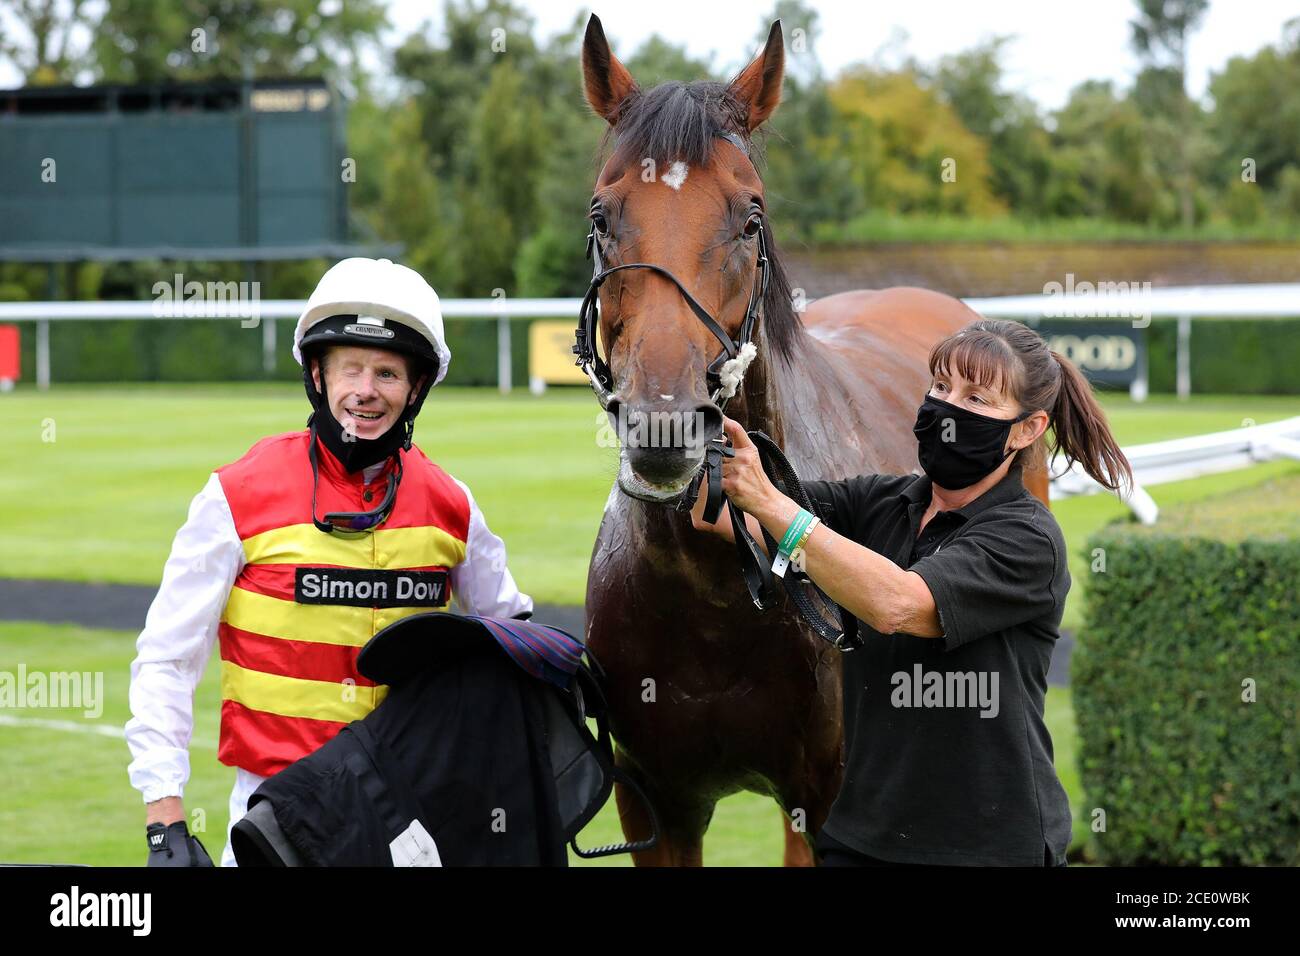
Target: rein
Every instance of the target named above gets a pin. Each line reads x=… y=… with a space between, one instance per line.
x=723 y=378
x=807 y=597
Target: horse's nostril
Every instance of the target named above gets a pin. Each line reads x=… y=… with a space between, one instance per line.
x=664 y=445
x=706 y=424
x=679 y=430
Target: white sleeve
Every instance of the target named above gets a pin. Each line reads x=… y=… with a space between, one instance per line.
x=482 y=584
x=173 y=649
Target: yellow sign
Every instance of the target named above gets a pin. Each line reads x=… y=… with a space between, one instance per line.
x=550 y=354
x=289 y=100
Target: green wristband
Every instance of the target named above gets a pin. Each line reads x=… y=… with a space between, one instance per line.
x=793 y=533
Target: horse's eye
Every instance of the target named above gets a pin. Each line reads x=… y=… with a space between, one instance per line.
x=598 y=220
x=752 y=226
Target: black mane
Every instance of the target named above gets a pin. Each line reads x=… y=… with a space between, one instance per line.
x=677 y=121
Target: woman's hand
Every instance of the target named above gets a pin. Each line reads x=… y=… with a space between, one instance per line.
x=743 y=478
x=746 y=484
x=743 y=481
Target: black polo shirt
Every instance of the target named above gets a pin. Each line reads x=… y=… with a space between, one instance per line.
x=948 y=759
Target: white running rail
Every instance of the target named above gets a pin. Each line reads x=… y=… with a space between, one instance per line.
x=1178 y=459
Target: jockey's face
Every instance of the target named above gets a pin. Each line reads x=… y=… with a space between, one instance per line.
x=366 y=388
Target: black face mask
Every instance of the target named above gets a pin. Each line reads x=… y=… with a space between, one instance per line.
x=976 y=448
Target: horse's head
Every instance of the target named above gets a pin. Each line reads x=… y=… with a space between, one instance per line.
x=679 y=206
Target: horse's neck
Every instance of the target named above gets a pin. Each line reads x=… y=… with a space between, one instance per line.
x=760 y=403
x=804 y=405
x=769 y=397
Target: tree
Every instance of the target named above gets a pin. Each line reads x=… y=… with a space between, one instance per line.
x=910 y=151
x=1107 y=158
x=399 y=194
x=45 y=56
x=656 y=61
x=807 y=157
x=1159 y=35
x=1257 y=110
x=551 y=261
x=1019 y=146
x=147 y=41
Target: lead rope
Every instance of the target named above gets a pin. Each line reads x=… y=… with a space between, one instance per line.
x=754 y=564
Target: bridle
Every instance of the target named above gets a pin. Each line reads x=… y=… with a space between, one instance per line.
x=723 y=378
x=722 y=381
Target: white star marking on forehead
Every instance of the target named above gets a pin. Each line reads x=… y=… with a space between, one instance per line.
x=676 y=175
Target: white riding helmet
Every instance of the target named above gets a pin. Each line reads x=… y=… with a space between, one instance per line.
x=378 y=292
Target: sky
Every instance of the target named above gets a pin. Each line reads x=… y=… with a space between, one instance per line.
x=1053 y=50
x=1057 y=44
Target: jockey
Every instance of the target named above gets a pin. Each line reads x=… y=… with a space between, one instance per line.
x=295 y=555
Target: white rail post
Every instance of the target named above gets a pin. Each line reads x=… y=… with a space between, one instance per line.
x=503 y=355
x=43 y=355
x=1184 y=357
x=1138 y=388
x=43 y=330
x=268 y=345
x=251 y=273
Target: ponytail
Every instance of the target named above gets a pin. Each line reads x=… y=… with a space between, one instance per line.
x=1081 y=432
x=1013 y=358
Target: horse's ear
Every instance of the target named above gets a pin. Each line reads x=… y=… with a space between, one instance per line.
x=758 y=85
x=605 y=81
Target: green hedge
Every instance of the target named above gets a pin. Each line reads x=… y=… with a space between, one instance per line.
x=1185 y=615
x=1229 y=356
x=221 y=350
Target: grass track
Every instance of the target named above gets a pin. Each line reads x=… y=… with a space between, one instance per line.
x=66 y=798
x=102 y=500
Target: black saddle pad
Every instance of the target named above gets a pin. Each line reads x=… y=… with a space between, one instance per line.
x=457 y=752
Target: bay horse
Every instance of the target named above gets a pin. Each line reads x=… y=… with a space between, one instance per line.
x=707 y=695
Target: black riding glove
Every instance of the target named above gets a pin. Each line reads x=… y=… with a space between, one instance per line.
x=173 y=846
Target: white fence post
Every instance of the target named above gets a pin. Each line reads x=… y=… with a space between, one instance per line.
x=43 y=355
x=268 y=345
x=1139 y=388
x=1184 y=357
x=504 y=369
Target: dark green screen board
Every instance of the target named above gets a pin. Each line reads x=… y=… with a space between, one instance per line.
x=217 y=166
